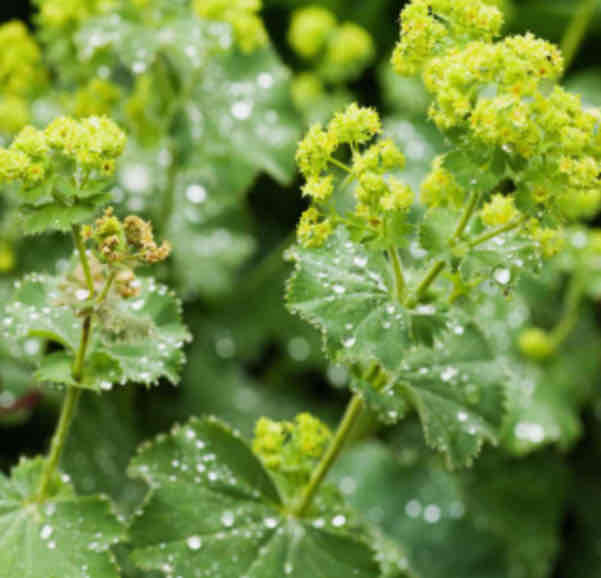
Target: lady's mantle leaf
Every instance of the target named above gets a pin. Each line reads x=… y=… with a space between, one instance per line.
x=345 y=291
x=512 y=528
x=135 y=340
x=145 y=335
x=34 y=312
x=66 y=536
x=214 y=511
x=100 y=371
x=455 y=387
x=56 y=216
x=458 y=392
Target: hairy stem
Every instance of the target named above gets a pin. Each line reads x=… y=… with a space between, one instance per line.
x=571 y=308
x=340 y=165
x=58 y=440
x=430 y=277
x=496 y=232
x=73 y=392
x=351 y=415
x=399 y=280
x=465 y=218
x=107 y=287
x=67 y=412
x=576 y=32
x=83 y=258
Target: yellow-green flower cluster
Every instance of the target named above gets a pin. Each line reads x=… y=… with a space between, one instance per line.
x=14 y=114
x=21 y=71
x=97 y=98
x=499 y=211
x=549 y=241
x=355 y=126
x=61 y=13
x=306 y=88
x=512 y=69
x=377 y=194
x=94 y=142
x=242 y=15
x=500 y=95
x=341 y=50
x=310 y=29
x=91 y=146
x=440 y=188
x=430 y=27
x=291 y=448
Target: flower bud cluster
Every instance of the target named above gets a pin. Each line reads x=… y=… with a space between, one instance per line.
x=97 y=98
x=61 y=13
x=86 y=149
x=242 y=15
x=341 y=51
x=14 y=114
x=21 y=70
x=377 y=194
x=129 y=242
x=500 y=97
x=430 y=27
x=440 y=188
x=499 y=211
x=291 y=448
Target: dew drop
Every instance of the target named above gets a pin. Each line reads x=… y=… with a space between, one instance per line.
x=502 y=276
x=194 y=542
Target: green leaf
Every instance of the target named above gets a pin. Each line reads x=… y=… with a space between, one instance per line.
x=346 y=292
x=34 y=311
x=544 y=401
x=209 y=226
x=57 y=216
x=103 y=438
x=136 y=340
x=215 y=510
x=457 y=391
x=437 y=228
x=474 y=170
x=66 y=536
x=246 y=111
x=499 y=519
x=100 y=371
x=144 y=334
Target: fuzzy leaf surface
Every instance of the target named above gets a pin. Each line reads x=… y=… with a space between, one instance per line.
x=458 y=392
x=135 y=340
x=64 y=537
x=215 y=511
x=345 y=291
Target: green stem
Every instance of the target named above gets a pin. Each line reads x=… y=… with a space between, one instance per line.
x=571 y=308
x=576 y=32
x=399 y=280
x=58 y=440
x=77 y=370
x=351 y=415
x=107 y=287
x=495 y=232
x=465 y=219
x=68 y=411
x=83 y=258
x=430 y=277
x=340 y=165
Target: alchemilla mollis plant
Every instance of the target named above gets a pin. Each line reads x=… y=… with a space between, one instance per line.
x=145 y=120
